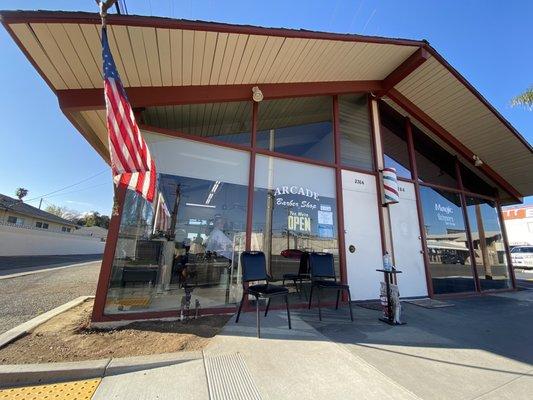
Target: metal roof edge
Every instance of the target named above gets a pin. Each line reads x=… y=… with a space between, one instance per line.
x=46 y=16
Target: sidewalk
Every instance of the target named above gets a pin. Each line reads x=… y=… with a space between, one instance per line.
x=480 y=348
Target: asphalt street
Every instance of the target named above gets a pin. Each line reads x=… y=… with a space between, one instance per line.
x=12 y=265
x=25 y=297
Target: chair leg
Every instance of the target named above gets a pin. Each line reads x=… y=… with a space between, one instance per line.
x=295 y=281
x=288 y=312
x=240 y=307
x=350 y=304
x=268 y=306
x=319 y=309
x=257 y=317
x=310 y=296
x=338 y=298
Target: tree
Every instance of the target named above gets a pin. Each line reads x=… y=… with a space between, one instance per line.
x=56 y=210
x=525 y=99
x=63 y=212
x=21 y=193
x=94 y=218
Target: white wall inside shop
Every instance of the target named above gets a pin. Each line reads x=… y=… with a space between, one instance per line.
x=23 y=241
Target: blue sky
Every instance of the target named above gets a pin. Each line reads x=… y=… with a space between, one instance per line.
x=487 y=41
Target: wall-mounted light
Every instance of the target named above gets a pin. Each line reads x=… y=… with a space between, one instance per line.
x=477 y=161
x=257 y=94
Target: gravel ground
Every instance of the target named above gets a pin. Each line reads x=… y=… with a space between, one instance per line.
x=25 y=297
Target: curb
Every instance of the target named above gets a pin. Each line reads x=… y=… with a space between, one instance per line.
x=33 y=374
x=24 y=328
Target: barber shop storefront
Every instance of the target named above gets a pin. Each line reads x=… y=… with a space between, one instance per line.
x=276 y=140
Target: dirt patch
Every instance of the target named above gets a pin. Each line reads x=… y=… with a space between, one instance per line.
x=67 y=337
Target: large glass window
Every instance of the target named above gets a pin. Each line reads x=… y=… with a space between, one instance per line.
x=299 y=126
x=434 y=164
x=356 y=140
x=487 y=242
x=228 y=122
x=294 y=212
x=394 y=139
x=447 y=243
x=475 y=184
x=183 y=249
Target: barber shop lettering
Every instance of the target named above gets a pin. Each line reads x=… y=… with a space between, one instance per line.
x=295 y=190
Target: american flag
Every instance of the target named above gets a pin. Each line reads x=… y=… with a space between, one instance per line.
x=131 y=163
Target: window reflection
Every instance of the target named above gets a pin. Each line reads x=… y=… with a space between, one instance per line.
x=447 y=243
x=488 y=244
x=182 y=250
x=294 y=212
x=228 y=122
x=300 y=126
x=434 y=164
x=356 y=141
x=393 y=136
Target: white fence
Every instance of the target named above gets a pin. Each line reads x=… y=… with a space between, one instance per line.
x=23 y=241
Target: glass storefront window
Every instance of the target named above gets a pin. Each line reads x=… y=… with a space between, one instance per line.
x=301 y=126
x=475 y=184
x=446 y=240
x=228 y=122
x=394 y=139
x=487 y=241
x=184 y=247
x=294 y=212
x=434 y=164
x=355 y=132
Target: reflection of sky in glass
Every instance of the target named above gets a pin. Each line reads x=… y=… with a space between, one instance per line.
x=313 y=141
x=441 y=214
x=401 y=171
x=489 y=217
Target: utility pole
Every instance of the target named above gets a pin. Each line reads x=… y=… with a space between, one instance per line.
x=40 y=203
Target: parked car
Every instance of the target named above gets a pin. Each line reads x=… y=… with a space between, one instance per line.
x=522 y=256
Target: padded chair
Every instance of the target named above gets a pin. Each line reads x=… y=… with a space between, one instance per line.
x=302 y=275
x=323 y=277
x=254 y=269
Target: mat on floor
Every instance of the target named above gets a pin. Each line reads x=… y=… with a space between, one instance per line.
x=371 y=305
x=429 y=303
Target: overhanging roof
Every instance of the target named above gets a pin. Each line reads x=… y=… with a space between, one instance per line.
x=163 y=61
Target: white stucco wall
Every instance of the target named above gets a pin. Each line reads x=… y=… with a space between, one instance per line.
x=21 y=241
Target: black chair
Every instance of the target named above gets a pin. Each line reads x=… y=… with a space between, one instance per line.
x=254 y=269
x=303 y=273
x=323 y=277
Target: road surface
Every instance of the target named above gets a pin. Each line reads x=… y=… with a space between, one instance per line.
x=25 y=297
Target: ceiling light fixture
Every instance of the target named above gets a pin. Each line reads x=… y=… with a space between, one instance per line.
x=257 y=94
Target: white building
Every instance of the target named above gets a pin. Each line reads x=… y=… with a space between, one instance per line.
x=519 y=225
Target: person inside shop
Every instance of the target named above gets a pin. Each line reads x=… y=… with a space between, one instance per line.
x=221 y=245
x=217 y=241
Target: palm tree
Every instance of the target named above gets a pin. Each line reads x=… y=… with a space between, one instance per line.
x=21 y=192
x=525 y=99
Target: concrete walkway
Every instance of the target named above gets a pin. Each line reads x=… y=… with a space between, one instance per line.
x=478 y=349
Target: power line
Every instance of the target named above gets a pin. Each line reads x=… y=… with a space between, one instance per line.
x=75 y=191
x=68 y=186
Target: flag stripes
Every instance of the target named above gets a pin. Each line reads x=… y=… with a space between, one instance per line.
x=131 y=162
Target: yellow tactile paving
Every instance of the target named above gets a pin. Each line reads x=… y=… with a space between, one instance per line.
x=77 y=390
